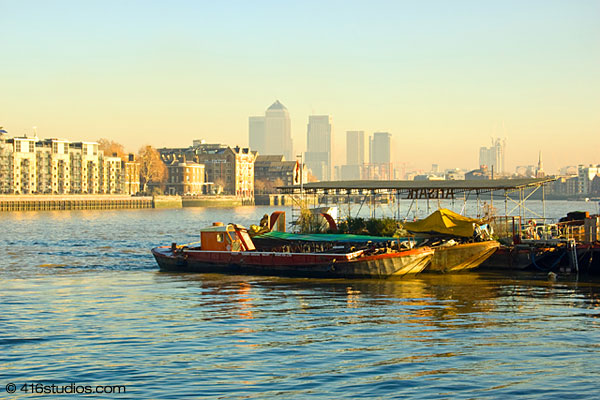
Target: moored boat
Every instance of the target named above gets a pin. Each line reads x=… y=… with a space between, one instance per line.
x=512 y=257
x=229 y=249
x=460 y=257
x=460 y=243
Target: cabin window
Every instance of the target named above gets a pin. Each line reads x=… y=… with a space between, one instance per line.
x=220 y=237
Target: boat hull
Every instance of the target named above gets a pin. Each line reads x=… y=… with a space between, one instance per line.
x=517 y=257
x=352 y=265
x=462 y=256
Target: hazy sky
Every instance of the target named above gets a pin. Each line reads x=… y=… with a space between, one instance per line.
x=442 y=76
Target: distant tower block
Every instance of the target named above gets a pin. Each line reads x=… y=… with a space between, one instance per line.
x=355 y=147
x=271 y=134
x=318 y=146
x=380 y=156
x=493 y=157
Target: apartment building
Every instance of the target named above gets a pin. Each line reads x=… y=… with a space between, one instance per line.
x=131 y=175
x=31 y=165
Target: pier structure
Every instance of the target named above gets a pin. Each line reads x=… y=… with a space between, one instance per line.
x=515 y=193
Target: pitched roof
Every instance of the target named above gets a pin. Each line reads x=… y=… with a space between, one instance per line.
x=269 y=158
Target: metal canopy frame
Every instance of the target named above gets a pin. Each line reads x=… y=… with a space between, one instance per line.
x=428 y=190
x=417 y=189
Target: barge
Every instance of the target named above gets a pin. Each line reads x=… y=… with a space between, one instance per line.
x=230 y=249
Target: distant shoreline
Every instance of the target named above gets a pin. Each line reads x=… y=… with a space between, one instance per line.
x=57 y=202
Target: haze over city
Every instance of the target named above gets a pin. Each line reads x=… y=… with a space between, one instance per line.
x=441 y=77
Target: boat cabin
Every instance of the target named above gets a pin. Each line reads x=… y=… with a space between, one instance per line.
x=230 y=237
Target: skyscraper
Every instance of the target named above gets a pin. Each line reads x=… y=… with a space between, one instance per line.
x=271 y=134
x=379 y=148
x=355 y=156
x=380 y=156
x=318 y=146
x=355 y=147
x=493 y=157
x=256 y=130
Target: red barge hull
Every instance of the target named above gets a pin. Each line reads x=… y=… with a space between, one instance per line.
x=349 y=265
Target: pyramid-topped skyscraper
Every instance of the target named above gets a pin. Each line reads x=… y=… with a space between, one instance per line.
x=271 y=134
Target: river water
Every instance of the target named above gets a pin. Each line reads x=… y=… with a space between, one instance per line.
x=82 y=302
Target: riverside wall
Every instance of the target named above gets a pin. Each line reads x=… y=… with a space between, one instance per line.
x=273 y=200
x=71 y=202
x=106 y=202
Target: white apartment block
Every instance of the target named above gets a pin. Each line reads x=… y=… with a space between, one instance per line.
x=30 y=165
x=585 y=176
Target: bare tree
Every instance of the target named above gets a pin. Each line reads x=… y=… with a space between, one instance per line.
x=259 y=186
x=311 y=178
x=276 y=183
x=267 y=186
x=110 y=148
x=152 y=168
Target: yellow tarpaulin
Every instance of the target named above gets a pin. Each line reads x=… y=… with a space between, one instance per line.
x=445 y=222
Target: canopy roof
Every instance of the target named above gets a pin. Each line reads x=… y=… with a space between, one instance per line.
x=480 y=185
x=446 y=222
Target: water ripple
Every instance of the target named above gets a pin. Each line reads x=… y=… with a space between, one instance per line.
x=82 y=301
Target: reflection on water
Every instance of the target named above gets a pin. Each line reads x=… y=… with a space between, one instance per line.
x=82 y=301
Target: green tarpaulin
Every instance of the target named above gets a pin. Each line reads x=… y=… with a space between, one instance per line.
x=323 y=237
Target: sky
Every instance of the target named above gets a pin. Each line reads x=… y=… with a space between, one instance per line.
x=443 y=77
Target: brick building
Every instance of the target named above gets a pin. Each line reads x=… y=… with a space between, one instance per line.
x=185 y=178
x=231 y=168
x=272 y=169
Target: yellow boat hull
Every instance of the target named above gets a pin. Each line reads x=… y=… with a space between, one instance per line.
x=462 y=256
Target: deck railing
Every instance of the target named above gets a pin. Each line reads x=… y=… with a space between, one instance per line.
x=512 y=226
